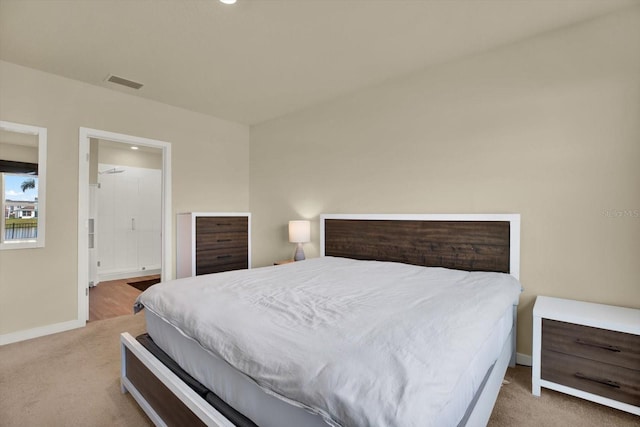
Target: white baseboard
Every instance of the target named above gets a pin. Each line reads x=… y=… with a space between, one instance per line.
x=524 y=359
x=40 y=331
x=118 y=275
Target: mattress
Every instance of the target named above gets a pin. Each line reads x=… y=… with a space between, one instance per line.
x=267 y=406
x=266 y=410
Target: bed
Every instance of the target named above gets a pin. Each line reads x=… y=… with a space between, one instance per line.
x=319 y=388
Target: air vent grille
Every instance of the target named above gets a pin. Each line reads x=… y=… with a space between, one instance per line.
x=124 y=82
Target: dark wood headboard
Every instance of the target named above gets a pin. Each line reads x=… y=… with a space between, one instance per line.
x=463 y=242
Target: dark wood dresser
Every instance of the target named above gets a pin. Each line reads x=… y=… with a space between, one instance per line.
x=212 y=242
x=587 y=350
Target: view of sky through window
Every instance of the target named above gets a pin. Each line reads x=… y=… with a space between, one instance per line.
x=13 y=190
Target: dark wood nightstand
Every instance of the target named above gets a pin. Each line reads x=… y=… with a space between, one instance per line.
x=587 y=350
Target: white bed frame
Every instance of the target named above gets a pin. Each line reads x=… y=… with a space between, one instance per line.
x=200 y=407
x=479 y=413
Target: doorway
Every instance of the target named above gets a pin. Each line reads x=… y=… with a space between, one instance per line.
x=136 y=244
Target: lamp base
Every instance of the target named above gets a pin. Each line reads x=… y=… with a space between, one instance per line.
x=299 y=256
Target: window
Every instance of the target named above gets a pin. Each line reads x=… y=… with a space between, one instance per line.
x=20 y=196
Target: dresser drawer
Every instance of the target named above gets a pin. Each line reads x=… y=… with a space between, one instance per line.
x=227 y=239
x=613 y=382
x=219 y=268
x=220 y=224
x=223 y=259
x=612 y=347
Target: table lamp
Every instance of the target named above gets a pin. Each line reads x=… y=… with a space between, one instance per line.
x=299 y=232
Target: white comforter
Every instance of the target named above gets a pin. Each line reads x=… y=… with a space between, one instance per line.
x=362 y=343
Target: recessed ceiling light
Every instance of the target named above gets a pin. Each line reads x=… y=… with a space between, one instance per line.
x=228 y=1
x=133 y=147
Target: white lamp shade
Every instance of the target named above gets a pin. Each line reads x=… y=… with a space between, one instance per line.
x=299 y=231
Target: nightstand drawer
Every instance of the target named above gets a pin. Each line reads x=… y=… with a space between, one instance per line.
x=605 y=380
x=612 y=347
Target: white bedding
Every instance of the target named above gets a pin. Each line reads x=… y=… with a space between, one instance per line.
x=359 y=343
x=265 y=410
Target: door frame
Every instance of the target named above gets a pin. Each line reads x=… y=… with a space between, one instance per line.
x=83 y=207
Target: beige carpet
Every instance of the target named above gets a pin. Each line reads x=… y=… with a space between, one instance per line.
x=69 y=379
x=516 y=406
x=72 y=379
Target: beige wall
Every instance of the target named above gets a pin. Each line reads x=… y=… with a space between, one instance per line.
x=548 y=128
x=147 y=158
x=18 y=153
x=38 y=287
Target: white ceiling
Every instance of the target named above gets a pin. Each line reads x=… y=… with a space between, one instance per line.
x=259 y=59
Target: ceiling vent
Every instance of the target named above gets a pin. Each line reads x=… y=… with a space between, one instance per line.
x=123 y=82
